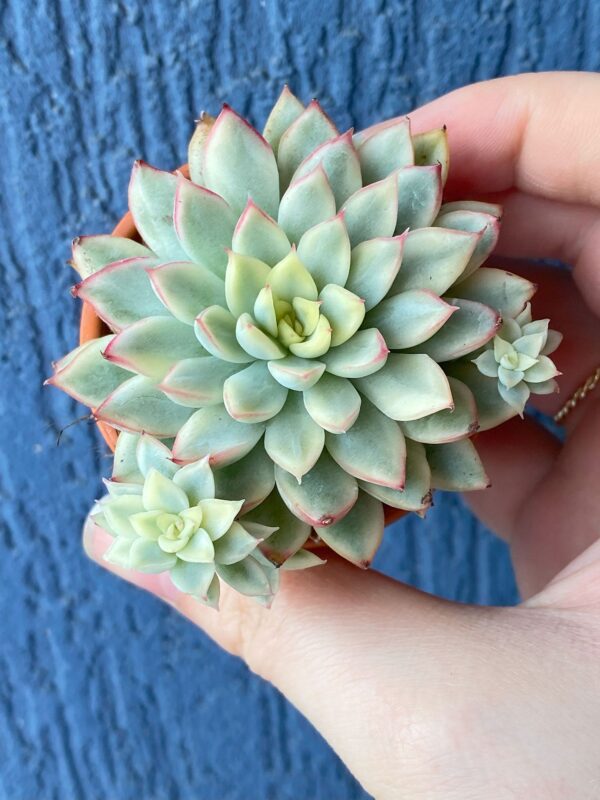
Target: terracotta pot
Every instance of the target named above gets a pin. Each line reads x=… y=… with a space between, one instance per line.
x=92 y=327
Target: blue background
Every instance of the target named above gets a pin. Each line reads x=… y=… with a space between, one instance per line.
x=104 y=692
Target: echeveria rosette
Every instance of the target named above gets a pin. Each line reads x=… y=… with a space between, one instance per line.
x=518 y=358
x=167 y=518
x=304 y=312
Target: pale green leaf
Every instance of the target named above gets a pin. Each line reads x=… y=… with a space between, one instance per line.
x=253 y=395
x=293 y=440
x=186 y=289
x=238 y=163
x=151 y=202
x=357 y=536
x=138 y=405
x=407 y=387
x=325 y=495
x=204 y=223
x=333 y=403
x=257 y=234
x=365 y=353
x=372 y=450
x=212 y=432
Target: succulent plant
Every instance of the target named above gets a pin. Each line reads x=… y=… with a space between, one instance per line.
x=518 y=357
x=304 y=312
x=166 y=518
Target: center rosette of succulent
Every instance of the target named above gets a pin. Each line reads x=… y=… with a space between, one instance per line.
x=281 y=312
x=177 y=529
x=295 y=321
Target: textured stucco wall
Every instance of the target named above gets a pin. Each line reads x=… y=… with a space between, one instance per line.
x=105 y=693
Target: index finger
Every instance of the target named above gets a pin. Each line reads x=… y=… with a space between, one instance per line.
x=533 y=132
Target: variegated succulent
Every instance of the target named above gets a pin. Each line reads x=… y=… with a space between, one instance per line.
x=168 y=518
x=304 y=312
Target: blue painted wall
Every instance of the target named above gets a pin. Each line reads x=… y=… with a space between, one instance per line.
x=106 y=693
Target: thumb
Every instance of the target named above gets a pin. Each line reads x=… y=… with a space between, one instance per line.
x=410 y=690
x=347 y=647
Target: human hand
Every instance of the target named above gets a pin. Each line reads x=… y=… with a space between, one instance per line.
x=428 y=699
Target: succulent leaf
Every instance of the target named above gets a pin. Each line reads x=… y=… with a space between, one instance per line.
x=121 y=293
x=373 y=268
x=491 y=408
x=286 y=110
x=152 y=346
x=355 y=452
x=197 y=144
x=325 y=495
x=410 y=318
x=407 y=387
x=86 y=375
x=431 y=147
x=204 y=224
x=151 y=202
x=212 y=432
x=365 y=353
x=315 y=345
x=333 y=403
x=486 y=225
x=456 y=467
x=433 y=259
x=419 y=196
x=252 y=477
x=448 y=425
x=234 y=545
x=311 y=128
x=293 y=439
x=466 y=330
x=307 y=202
x=198 y=382
x=152 y=454
x=325 y=252
x=504 y=291
x=215 y=328
x=385 y=151
x=138 y=405
x=372 y=211
x=197 y=481
x=358 y=534
x=194 y=579
x=303 y=559
x=92 y=253
x=291 y=531
x=252 y=395
x=290 y=278
x=238 y=163
x=244 y=279
x=257 y=234
x=186 y=289
x=256 y=342
x=344 y=311
x=125 y=466
x=296 y=373
x=247 y=577
x=416 y=494
x=341 y=164
x=147 y=556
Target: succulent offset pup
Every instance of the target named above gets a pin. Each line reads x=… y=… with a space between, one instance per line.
x=306 y=314
x=167 y=518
